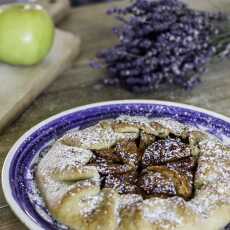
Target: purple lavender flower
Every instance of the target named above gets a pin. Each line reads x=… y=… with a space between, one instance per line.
x=161 y=41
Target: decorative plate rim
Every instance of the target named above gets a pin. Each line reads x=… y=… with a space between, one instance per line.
x=8 y=160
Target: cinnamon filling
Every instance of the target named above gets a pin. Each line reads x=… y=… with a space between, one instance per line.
x=149 y=166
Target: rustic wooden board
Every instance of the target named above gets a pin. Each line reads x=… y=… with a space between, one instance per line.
x=58 y=9
x=79 y=85
x=20 y=85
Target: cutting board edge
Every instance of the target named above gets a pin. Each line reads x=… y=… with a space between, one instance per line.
x=24 y=102
x=59 y=10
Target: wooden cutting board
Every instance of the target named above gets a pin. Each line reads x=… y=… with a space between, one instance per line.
x=20 y=85
x=56 y=8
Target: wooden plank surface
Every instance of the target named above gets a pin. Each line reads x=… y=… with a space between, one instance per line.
x=80 y=85
x=20 y=85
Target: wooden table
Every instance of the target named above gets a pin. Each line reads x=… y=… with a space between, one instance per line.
x=80 y=85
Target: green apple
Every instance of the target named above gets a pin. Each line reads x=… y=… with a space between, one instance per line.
x=26 y=34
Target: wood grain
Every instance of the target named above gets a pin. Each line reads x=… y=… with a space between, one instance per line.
x=80 y=85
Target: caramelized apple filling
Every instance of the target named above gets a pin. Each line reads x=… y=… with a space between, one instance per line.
x=149 y=166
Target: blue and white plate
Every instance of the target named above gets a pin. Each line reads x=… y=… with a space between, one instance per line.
x=18 y=182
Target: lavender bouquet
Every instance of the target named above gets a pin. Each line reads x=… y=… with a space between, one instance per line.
x=163 y=42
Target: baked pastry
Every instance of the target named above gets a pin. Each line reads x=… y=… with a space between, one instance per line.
x=133 y=173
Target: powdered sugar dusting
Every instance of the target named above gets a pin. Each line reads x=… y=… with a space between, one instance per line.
x=95 y=137
x=54 y=190
x=139 y=120
x=36 y=198
x=89 y=204
x=210 y=197
x=213 y=163
x=175 y=127
x=212 y=179
x=128 y=200
x=129 y=136
x=161 y=184
x=143 y=123
x=64 y=157
x=161 y=211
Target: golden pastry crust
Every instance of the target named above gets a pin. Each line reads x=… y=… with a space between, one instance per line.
x=71 y=188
